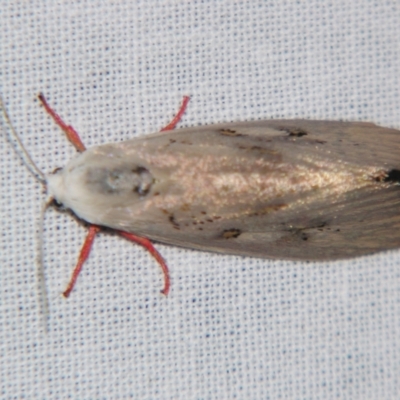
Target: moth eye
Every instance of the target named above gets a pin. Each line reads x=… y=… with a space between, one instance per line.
x=55 y=203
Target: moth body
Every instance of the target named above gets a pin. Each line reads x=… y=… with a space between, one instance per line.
x=291 y=189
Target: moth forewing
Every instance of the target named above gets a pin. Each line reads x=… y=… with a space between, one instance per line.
x=293 y=189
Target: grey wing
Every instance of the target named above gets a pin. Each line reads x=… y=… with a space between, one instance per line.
x=366 y=223
x=327 y=189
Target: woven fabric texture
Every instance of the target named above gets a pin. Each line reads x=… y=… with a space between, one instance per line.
x=232 y=327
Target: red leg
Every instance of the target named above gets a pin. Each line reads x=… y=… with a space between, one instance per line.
x=74 y=138
x=87 y=246
x=178 y=116
x=146 y=243
x=71 y=133
x=151 y=249
x=85 y=251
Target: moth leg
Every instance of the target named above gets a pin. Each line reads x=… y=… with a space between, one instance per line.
x=74 y=138
x=71 y=133
x=146 y=243
x=152 y=250
x=84 y=254
x=178 y=116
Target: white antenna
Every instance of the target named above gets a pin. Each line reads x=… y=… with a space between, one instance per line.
x=38 y=174
x=25 y=157
x=43 y=292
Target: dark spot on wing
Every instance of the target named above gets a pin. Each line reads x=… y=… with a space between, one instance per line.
x=269 y=209
x=139 y=169
x=263 y=150
x=231 y=233
x=230 y=132
x=298 y=132
x=175 y=224
x=304 y=233
x=393 y=176
x=303 y=236
x=322 y=225
x=146 y=180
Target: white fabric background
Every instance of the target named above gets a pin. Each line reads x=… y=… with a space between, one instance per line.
x=232 y=327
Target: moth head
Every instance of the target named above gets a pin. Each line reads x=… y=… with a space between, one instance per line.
x=92 y=183
x=55 y=188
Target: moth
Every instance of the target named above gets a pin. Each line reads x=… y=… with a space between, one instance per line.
x=289 y=189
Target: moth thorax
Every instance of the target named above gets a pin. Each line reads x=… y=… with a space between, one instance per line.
x=120 y=180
